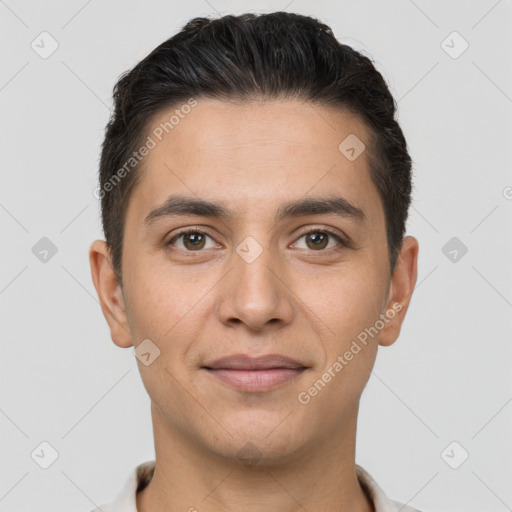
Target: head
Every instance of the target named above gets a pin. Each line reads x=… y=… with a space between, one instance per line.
x=252 y=131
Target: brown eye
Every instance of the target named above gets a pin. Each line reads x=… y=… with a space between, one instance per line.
x=318 y=240
x=192 y=240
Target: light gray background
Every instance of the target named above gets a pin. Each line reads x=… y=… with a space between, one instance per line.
x=446 y=379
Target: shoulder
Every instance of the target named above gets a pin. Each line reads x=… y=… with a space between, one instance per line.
x=377 y=496
x=400 y=507
x=125 y=500
x=109 y=507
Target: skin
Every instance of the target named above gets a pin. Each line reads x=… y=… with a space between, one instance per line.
x=294 y=299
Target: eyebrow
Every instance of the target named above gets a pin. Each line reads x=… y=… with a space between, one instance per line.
x=179 y=205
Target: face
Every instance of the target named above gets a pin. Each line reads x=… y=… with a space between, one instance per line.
x=268 y=267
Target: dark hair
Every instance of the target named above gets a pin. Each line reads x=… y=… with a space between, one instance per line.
x=237 y=58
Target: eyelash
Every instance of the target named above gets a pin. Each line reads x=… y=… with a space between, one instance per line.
x=342 y=243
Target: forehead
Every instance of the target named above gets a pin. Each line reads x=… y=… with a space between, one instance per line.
x=254 y=154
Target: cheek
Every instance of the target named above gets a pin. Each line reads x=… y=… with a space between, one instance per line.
x=350 y=344
x=167 y=307
x=149 y=300
x=347 y=301
x=165 y=317
x=152 y=310
x=159 y=297
x=331 y=396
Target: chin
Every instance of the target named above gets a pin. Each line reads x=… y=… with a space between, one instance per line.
x=255 y=453
x=257 y=443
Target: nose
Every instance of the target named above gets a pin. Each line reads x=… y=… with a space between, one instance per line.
x=254 y=293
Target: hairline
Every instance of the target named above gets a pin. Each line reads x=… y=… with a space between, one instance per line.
x=136 y=175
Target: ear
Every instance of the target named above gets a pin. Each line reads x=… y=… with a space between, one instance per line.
x=401 y=287
x=109 y=293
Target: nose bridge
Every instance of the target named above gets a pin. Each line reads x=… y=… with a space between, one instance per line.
x=254 y=294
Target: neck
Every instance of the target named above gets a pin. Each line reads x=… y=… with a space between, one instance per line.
x=189 y=477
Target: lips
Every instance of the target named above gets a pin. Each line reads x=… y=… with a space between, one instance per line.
x=245 y=362
x=255 y=374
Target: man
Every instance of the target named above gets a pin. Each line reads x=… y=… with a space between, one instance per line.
x=255 y=187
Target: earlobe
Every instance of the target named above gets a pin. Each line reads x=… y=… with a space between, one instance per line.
x=401 y=288
x=109 y=293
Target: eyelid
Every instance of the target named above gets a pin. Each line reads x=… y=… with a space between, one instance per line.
x=324 y=229
x=187 y=230
x=340 y=237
